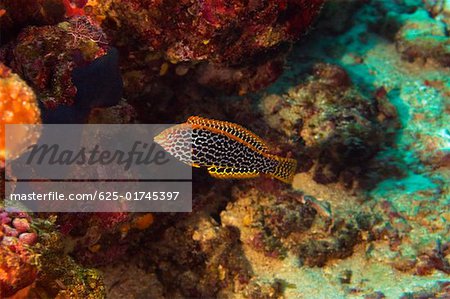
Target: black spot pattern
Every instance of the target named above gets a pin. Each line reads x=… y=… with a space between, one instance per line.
x=232 y=129
x=219 y=150
x=178 y=142
x=227 y=151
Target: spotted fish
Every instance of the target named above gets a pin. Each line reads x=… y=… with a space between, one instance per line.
x=227 y=150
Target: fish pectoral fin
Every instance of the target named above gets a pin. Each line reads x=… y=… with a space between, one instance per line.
x=221 y=172
x=195 y=165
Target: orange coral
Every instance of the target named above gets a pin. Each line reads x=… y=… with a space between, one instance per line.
x=16 y=272
x=144 y=221
x=18 y=105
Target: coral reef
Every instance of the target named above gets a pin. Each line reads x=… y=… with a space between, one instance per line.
x=204 y=261
x=362 y=103
x=46 y=57
x=59 y=275
x=441 y=290
x=95 y=236
x=207 y=30
x=2 y=185
x=282 y=222
x=99 y=239
x=439 y=10
x=18 y=261
x=131 y=280
x=267 y=220
x=18 y=14
x=33 y=261
x=404 y=228
x=122 y=113
x=264 y=289
x=336 y=123
x=211 y=42
x=17 y=273
x=423 y=37
x=19 y=106
x=240 y=80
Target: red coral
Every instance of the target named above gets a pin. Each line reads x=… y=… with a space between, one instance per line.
x=46 y=57
x=16 y=259
x=213 y=30
x=74 y=9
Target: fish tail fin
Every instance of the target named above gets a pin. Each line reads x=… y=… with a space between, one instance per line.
x=285 y=169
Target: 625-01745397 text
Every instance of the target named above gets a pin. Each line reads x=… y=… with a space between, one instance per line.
x=102 y=196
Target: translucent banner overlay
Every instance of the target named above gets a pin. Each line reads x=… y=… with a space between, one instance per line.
x=96 y=168
x=101 y=196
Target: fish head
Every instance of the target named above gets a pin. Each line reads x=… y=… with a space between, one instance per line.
x=177 y=141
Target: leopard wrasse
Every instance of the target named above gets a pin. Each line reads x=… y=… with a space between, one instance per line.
x=227 y=150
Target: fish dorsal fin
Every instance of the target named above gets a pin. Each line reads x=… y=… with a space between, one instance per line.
x=233 y=129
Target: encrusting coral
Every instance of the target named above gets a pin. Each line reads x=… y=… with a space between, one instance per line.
x=18 y=14
x=46 y=57
x=59 y=275
x=206 y=260
x=423 y=37
x=277 y=222
x=211 y=30
x=33 y=262
x=18 y=260
x=267 y=220
x=234 y=46
x=337 y=125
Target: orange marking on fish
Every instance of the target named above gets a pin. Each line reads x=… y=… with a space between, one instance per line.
x=232 y=130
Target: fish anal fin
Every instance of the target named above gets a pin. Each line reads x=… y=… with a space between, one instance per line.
x=230 y=173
